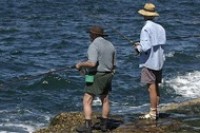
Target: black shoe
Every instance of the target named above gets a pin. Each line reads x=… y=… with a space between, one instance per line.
x=86 y=128
x=104 y=124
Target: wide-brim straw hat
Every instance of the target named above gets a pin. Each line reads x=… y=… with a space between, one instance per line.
x=97 y=30
x=148 y=10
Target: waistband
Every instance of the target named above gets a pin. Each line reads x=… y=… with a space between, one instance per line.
x=105 y=72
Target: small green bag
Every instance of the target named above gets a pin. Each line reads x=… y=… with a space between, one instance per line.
x=89 y=78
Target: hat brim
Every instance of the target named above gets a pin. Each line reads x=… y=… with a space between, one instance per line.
x=96 y=33
x=147 y=13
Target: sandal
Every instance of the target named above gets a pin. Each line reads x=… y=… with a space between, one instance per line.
x=148 y=116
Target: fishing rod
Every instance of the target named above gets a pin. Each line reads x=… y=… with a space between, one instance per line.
x=168 y=38
x=123 y=36
x=133 y=42
x=126 y=38
x=115 y=30
x=31 y=77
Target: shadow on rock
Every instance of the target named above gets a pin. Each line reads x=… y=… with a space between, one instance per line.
x=164 y=115
x=112 y=124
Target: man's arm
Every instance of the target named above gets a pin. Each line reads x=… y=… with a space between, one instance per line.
x=87 y=64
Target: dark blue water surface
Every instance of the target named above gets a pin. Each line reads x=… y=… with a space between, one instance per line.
x=37 y=36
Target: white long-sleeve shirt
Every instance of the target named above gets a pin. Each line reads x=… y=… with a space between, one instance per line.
x=152 y=39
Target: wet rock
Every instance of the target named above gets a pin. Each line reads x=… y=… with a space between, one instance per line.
x=187 y=107
x=69 y=121
x=175 y=118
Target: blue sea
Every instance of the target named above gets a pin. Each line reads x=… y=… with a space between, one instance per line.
x=41 y=36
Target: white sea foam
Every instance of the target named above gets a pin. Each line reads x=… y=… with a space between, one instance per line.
x=170 y=54
x=7 y=132
x=27 y=128
x=186 y=85
x=198 y=55
x=96 y=101
x=130 y=109
x=11 y=124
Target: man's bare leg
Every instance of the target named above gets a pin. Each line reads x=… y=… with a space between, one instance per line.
x=153 y=98
x=105 y=106
x=105 y=112
x=87 y=106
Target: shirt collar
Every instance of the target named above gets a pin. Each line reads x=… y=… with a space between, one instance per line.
x=148 y=21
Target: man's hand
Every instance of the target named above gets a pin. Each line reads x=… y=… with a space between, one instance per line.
x=78 y=66
x=136 y=49
x=136 y=44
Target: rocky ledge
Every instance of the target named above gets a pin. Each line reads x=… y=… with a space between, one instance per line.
x=174 y=118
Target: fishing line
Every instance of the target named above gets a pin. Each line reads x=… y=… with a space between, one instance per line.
x=13 y=81
x=31 y=77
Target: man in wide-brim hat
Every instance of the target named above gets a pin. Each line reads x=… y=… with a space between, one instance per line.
x=149 y=10
x=150 y=47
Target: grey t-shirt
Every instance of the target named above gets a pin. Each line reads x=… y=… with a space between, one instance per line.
x=103 y=52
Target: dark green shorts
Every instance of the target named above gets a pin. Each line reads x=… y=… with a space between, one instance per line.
x=102 y=84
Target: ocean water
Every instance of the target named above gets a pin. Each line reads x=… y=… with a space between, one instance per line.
x=38 y=36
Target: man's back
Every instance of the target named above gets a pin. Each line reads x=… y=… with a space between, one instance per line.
x=151 y=40
x=102 y=51
x=156 y=33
